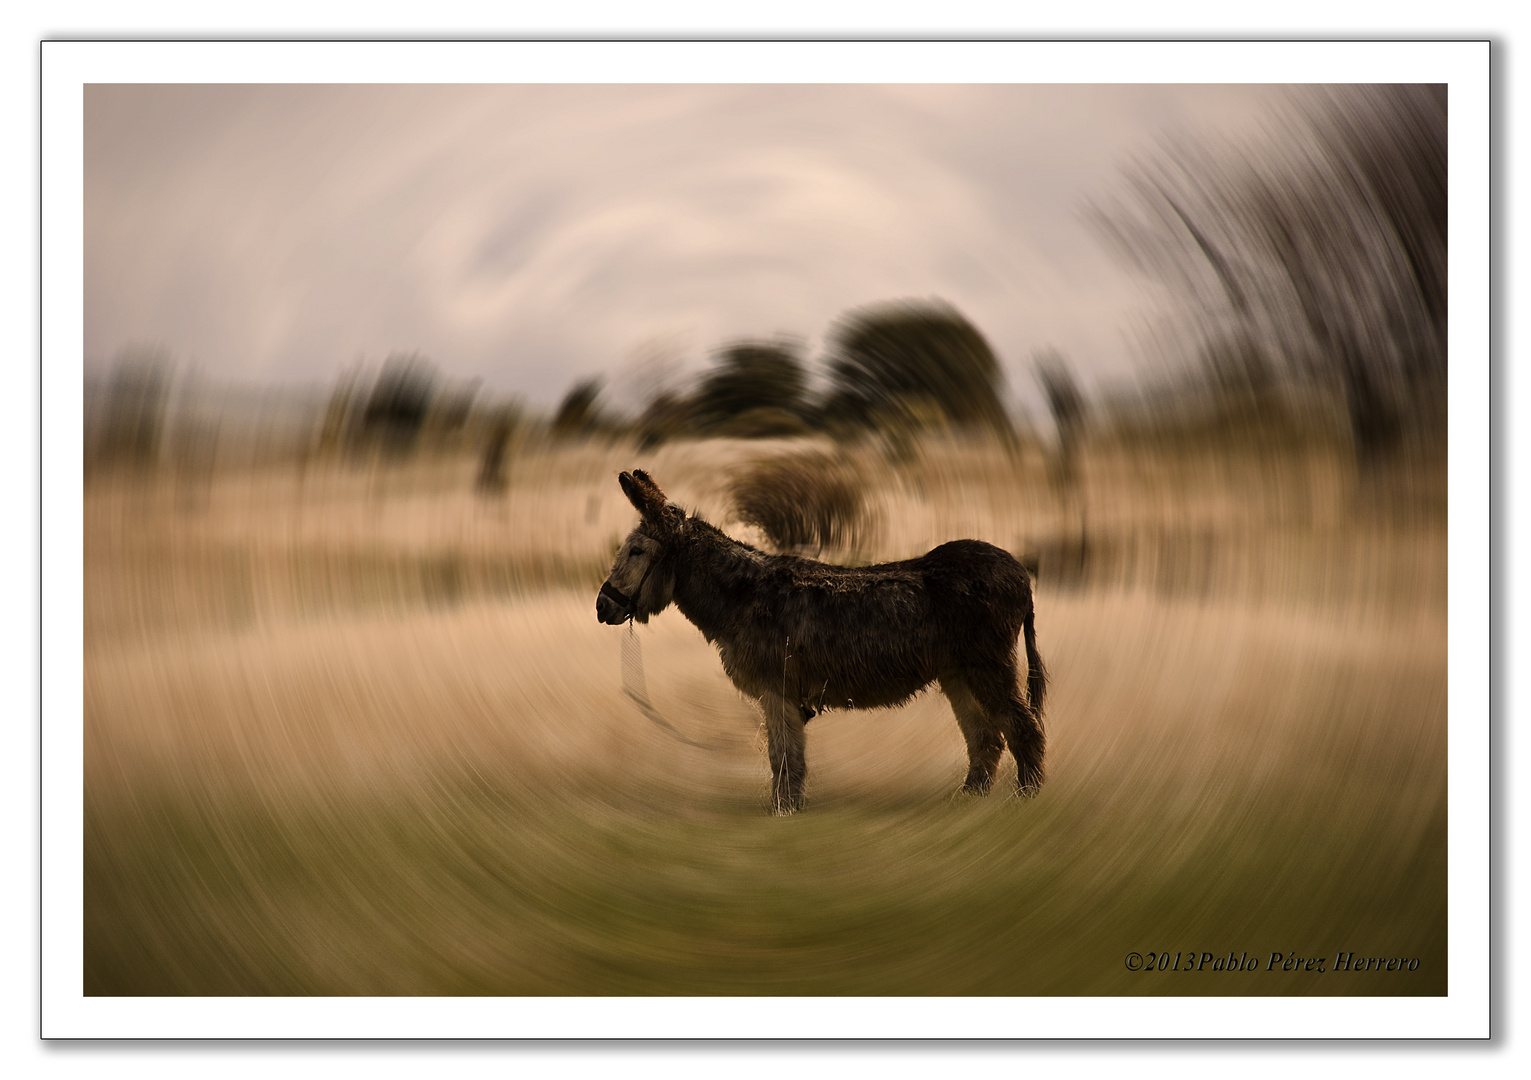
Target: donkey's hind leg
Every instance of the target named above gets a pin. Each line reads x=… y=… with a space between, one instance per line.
x=998 y=691
x=985 y=743
x=785 y=743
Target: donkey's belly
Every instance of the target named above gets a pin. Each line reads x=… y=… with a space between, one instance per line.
x=820 y=675
x=866 y=696
x=863 y=678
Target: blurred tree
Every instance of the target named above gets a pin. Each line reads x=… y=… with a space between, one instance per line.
x=134 y=418
x=577 y=414
x=669 y=415
x=883 y=356
x=340 y=413
x=1239 y=369
x=1319 y=258
x=1063 y=398
x=400 y=398
x=501 y=425
x=763 y=381
x=1066 y=405
x=453 y=406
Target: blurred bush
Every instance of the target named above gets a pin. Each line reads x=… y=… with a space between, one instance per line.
x=804 y=501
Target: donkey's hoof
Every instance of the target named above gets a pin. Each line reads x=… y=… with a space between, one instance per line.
x=1028 y=781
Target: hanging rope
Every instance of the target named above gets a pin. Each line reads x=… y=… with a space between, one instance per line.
x=635 y=686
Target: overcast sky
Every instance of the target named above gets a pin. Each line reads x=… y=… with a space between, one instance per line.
x=530 y=235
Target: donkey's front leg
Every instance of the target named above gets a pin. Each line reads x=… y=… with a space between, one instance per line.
x=785 y=741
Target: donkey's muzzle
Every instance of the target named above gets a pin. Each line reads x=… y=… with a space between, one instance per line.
x=612 y=607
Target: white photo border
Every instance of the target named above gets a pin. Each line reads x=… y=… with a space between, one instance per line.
x=67 y=66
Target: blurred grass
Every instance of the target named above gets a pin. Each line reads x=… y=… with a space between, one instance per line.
x=357 y=736
x=479 y=896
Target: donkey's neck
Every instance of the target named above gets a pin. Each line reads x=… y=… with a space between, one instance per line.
x=715 y=579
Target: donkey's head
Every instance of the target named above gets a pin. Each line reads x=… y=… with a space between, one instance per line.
x=642 y=580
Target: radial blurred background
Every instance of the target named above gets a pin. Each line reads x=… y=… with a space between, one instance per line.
x=362 y=364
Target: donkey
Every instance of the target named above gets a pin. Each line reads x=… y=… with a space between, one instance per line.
x=802 y=636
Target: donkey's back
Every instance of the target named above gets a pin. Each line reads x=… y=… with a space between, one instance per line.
x=873 y=636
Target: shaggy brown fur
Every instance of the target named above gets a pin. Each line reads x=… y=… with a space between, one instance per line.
x=803 y=636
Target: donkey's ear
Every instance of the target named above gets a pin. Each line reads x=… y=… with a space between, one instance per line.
x=631 y=489
x=647 y=498
x=648 y=482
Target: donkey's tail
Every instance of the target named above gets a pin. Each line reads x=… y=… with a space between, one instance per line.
x=1036 y=673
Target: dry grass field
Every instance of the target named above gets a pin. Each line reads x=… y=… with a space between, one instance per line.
x=357 y=731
